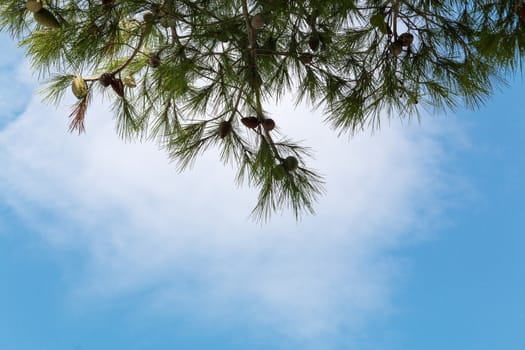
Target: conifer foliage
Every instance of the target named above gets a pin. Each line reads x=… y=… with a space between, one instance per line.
x=194 y=74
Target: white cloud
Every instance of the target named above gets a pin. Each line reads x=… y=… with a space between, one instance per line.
x=185 y=238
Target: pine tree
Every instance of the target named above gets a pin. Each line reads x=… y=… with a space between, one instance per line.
x=194 y=74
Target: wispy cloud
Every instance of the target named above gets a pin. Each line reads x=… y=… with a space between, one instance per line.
x=15 y=85
x=184 y=240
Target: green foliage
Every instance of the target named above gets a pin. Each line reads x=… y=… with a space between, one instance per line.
x=200 y=66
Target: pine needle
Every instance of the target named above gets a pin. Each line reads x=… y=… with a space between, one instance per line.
x=78 y=116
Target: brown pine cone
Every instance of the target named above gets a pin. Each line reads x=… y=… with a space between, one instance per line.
x=118 y=86
x=268 y=124
x=225 y=127
x=106 y=79
x=250 y=122
x=406 y=39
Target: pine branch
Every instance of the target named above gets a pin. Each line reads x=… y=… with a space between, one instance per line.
x=190 y=74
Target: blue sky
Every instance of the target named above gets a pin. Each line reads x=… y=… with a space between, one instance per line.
x=418 y=243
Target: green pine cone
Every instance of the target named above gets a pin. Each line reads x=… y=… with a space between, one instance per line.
x=279 y=172
x=46 y=18
x=291 y=163
x=79 y=87
x=377 y=20
x=129 y=81
x=34 y=5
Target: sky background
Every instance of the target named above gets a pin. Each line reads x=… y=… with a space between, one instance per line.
x=418 y=243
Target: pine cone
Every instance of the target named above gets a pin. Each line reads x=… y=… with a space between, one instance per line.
x=396 y=48
x=291 y=163
x=46 y=18
x=225 y=127
x=34 y=5
x=118 y=86
x=154 y=61
x=250 y=122
x=279 y=172
x=149 y=17
x=79 y=87
x=268 y=124
x=406 y=39
x=106 y=79
x=129 y=81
